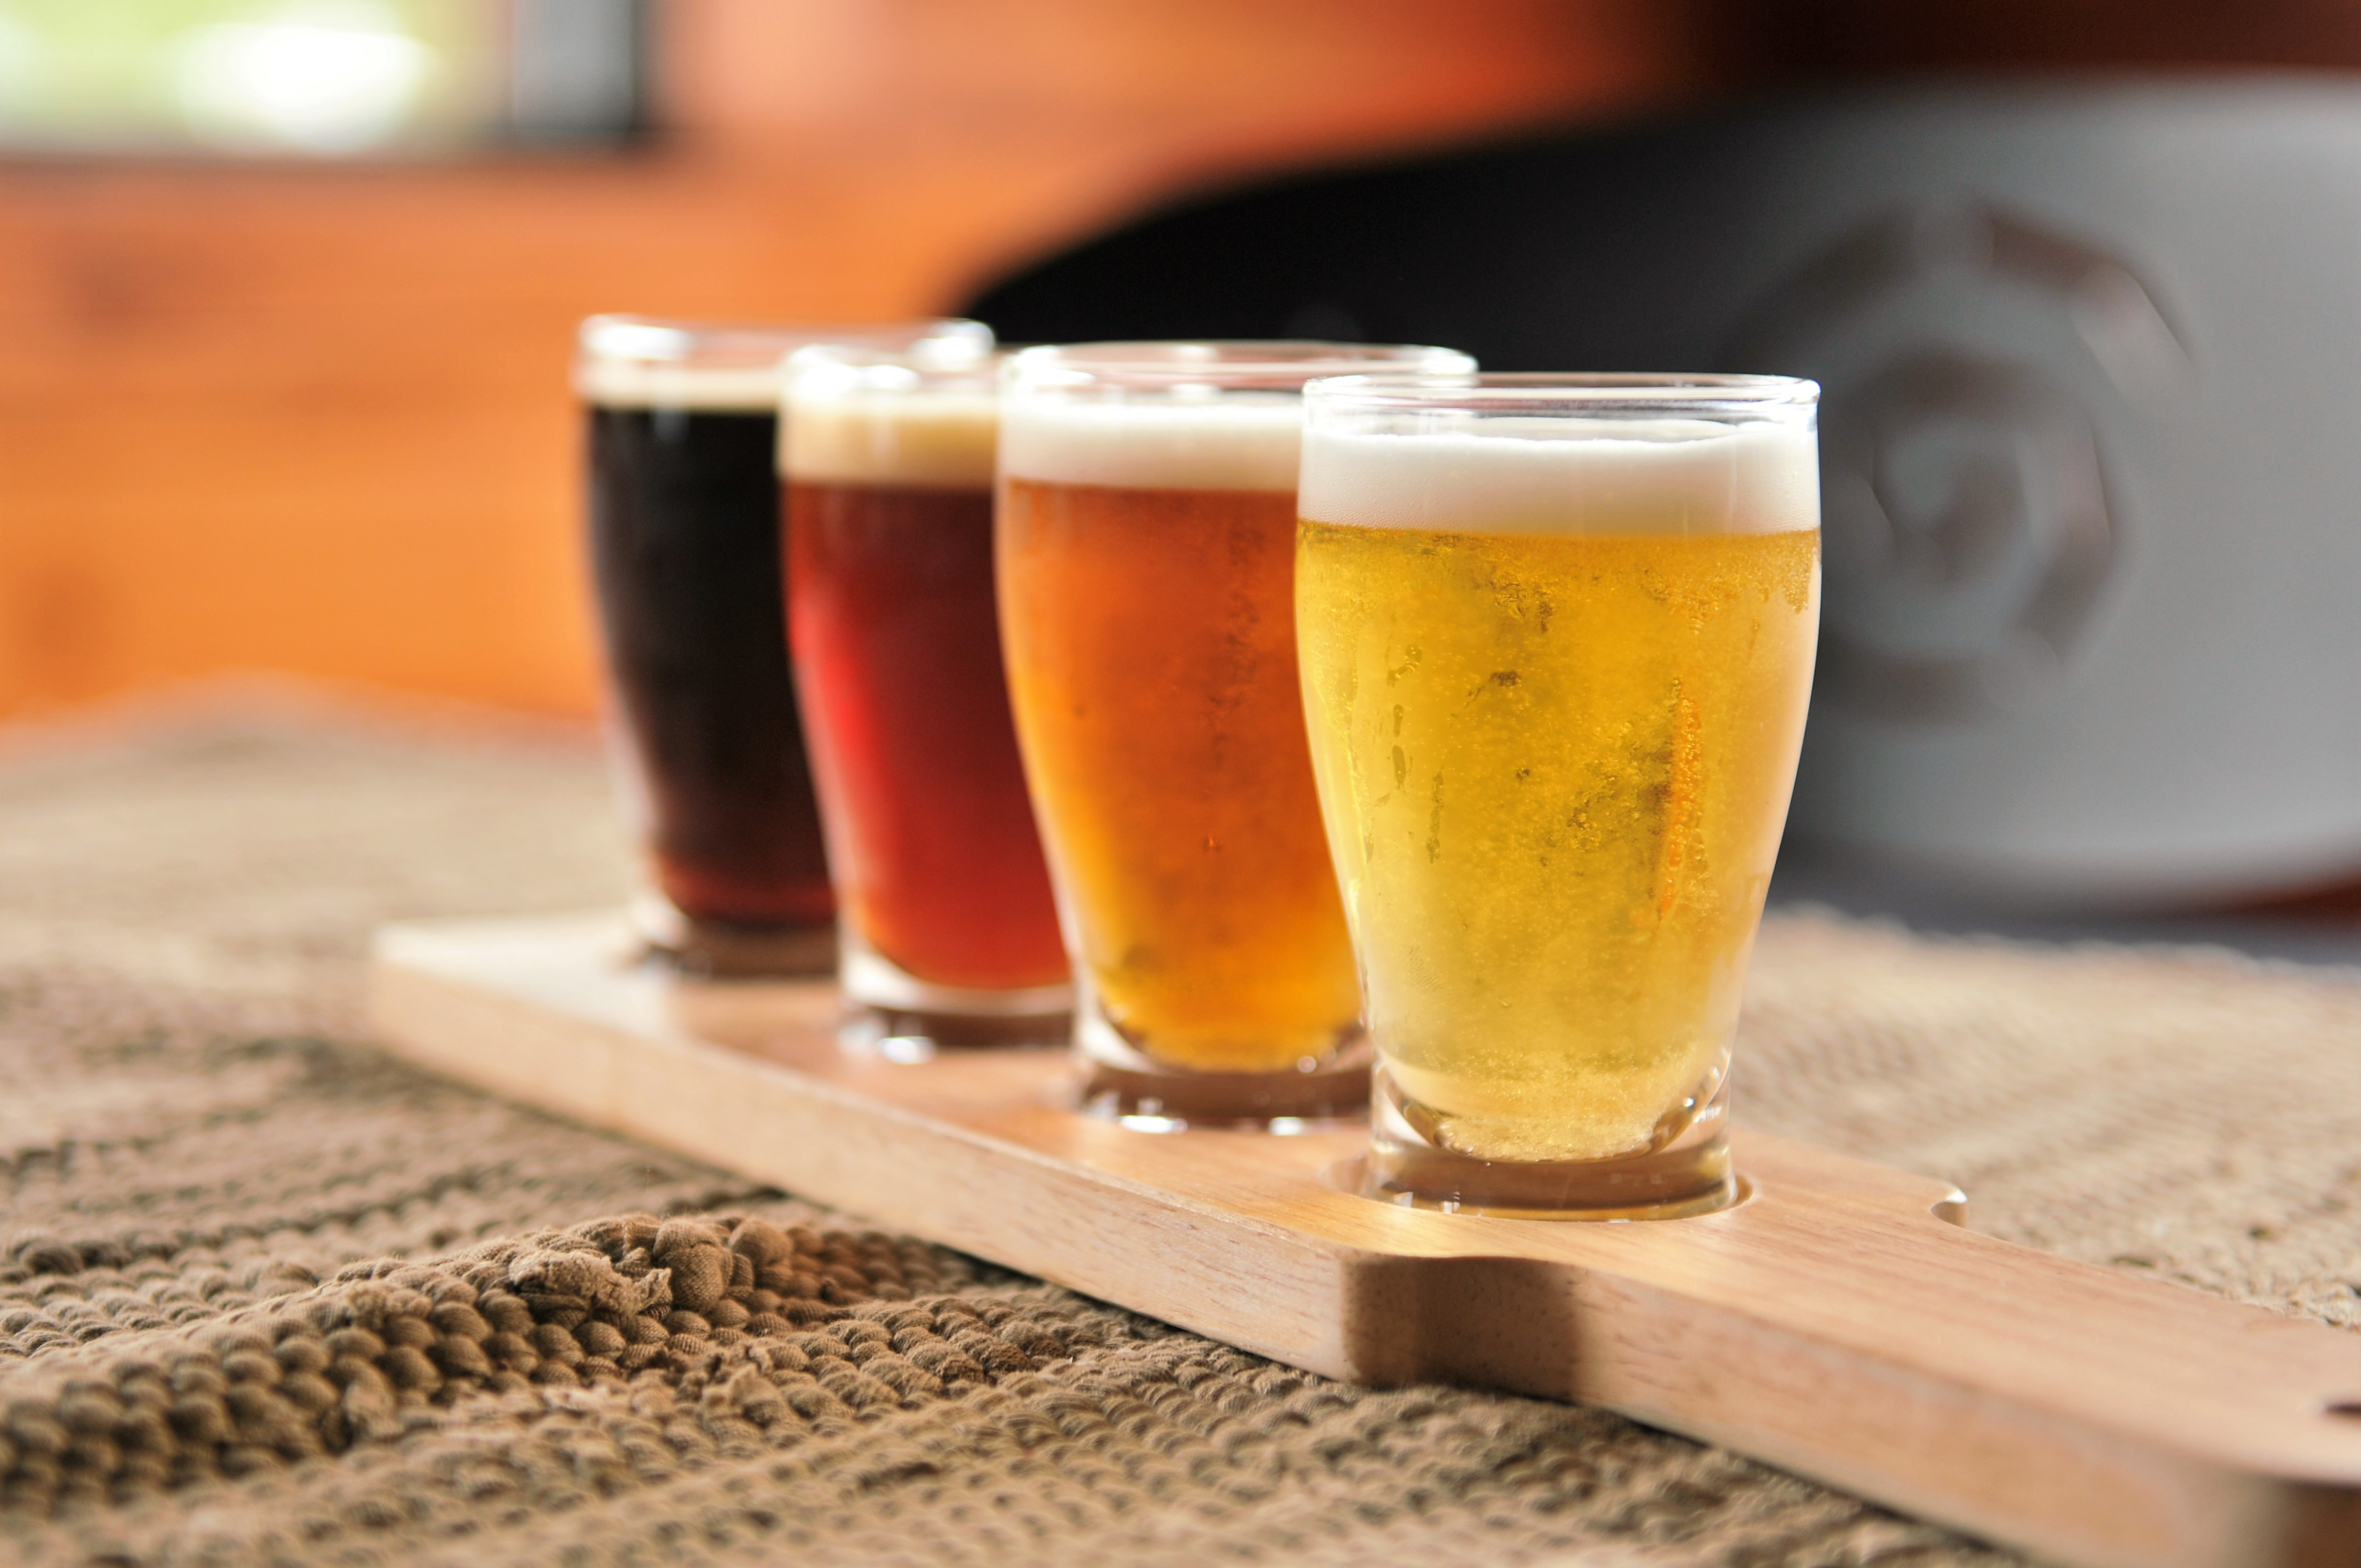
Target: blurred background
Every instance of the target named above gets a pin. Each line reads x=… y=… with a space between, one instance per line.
x=287 y=289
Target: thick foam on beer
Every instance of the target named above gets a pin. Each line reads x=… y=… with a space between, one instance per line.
x=1540 y=476
x=1235 y=442
x=942 y=440
x=663 y=384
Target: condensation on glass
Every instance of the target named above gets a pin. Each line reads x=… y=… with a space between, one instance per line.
x=1556 y=639
x=1146 y=541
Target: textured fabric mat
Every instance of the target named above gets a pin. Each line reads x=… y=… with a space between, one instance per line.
x=268 y=1297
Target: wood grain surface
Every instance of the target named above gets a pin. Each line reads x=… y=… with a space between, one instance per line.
x=1838 y=1322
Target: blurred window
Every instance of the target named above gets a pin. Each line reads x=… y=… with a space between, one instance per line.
x=319 y=78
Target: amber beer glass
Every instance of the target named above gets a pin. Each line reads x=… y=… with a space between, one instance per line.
x=948 y=931
x=1146 y=541
x=684 y=544
x=1556 y=637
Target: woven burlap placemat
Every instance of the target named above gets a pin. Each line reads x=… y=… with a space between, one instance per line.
x=268 y=1297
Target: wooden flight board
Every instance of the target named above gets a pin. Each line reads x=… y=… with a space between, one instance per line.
x=1839 y=1321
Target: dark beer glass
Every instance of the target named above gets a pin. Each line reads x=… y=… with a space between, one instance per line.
x=683 y=544
x=948 y=931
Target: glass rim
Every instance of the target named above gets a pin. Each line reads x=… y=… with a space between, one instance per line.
x=1542 y=392
x=623 y=338
x=934 y=364
x=1221 y=364
x=644 y=362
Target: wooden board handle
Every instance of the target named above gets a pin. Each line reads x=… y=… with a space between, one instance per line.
x=1843 y=1329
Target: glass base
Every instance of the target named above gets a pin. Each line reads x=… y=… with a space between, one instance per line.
x=893 y=1014
x=1120 y=1084
x=902 y=1036
x=1685 y=1172
x=718 y=949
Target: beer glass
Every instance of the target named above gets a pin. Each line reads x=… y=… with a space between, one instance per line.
x=1146 y=542
x=1557 y=636
x=683 y=544
x=948 y=934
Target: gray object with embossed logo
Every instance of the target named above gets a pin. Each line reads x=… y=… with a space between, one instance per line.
x=2093 y=610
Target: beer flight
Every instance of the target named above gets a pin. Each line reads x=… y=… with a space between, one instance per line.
x=1293 y=728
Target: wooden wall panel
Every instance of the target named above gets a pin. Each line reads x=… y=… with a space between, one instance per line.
x=314 y=420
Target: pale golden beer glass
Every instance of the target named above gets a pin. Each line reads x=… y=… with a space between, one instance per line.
x=1145 y=556
x=1557 y=638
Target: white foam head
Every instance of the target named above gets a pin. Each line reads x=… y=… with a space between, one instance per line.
x=938 y=439
x=1512 y=473
x=1239 y=441
x=630 y=384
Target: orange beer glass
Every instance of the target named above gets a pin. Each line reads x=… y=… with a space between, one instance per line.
x=1145 y=545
